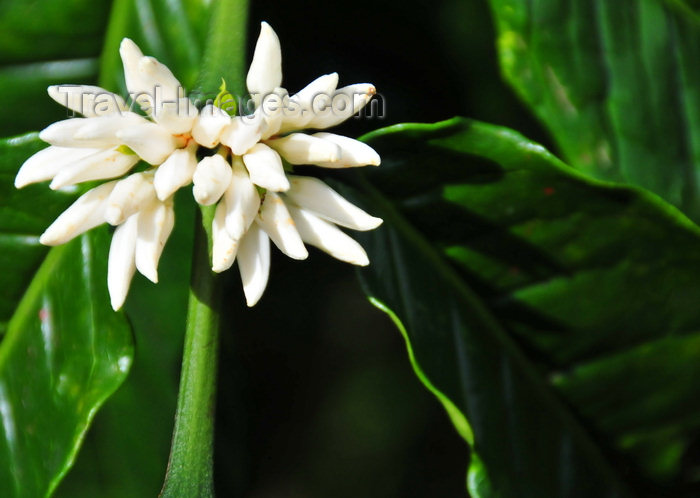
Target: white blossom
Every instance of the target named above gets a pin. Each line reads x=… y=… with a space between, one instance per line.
x=242 y=164
x=263 y=202
x=211 y=179
x=106 y=144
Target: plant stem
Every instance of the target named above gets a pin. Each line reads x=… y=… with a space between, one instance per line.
x=225 y=54
x=190 y=467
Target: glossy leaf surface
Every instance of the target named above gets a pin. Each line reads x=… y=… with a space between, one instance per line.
x=557 y=314
x=24 y=214
x=64 y=350
x=616 y=83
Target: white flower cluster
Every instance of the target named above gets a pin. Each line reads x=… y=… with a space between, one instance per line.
x=236 y=162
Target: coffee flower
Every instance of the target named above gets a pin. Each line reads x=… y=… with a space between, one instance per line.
x=106 y=144
x=262 y=201
x=240 y=163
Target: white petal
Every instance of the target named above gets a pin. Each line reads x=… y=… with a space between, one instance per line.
x=88 y=100
x=85 y=213
x=159 y=80
x=243 y=132
x=150 y=83
x=175 y=172
x=265 y=168
x=177 y=117
x=299 y=148
x=327 y=237
x=265 y=73
x=209 y=125
x=99 y=166
x=155 y=223
x=131 y=55
x=301 y=106
x=279 y=226
x=323 y=85
x=272 y=108
x=224 y=247
x=46 y=163
x=242 y=201
x=129 y=196
x=151 y=142
x=254 y=263
x=104 y=129
x=347 y=101
x=62 y=133
x=211 y=179
x=352 y=152
x=313 y=195
x=121 y=265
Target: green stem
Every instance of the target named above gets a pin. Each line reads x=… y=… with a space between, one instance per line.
x=190 y=468
x=225 y=53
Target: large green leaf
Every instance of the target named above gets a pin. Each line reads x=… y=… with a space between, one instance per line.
x=555 y=316
x=64 y=350
x=617 y=84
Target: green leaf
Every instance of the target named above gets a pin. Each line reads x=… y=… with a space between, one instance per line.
x=64 y=351
x=23 y=215
x=173 y=31
x=616 y=83
x=687 y=7
x=557 y=315
x=44 y=43
x=23 y=92
x=115 y=462
x=49 y=30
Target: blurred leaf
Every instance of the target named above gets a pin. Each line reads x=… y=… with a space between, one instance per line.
x=64 y=351
x=554 y=316
x=688 y=7
x=617 y=84
x=23 y=92
x=43 y=30
x=42 y=43
x=173 y=31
